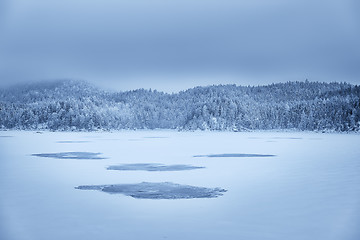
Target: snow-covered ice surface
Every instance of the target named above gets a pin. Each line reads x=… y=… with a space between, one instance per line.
x=309 y=189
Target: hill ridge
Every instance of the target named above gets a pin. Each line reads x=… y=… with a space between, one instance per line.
x=66 y=105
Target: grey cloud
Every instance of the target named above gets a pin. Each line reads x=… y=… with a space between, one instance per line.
x=122 y=40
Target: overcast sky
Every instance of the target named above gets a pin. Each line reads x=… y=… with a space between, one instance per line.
x=176 y=44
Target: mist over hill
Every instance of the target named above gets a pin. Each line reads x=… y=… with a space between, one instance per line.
x=69 y=105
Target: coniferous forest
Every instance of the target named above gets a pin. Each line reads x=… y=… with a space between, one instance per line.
x=69 y=105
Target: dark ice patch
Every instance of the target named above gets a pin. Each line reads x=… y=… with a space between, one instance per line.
x=71 y=155
x=236 y=155
x=6 y=136
x=73 y=141
x=152 y=167
x=164 y=190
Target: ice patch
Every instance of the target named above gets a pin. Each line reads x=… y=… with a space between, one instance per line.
x=73 y=141
x=163 y=190
x=152 y=167
x=236 y=155
x=70 y=155
x=6 y=136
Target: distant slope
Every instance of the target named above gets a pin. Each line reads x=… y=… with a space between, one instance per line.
x=76 y=105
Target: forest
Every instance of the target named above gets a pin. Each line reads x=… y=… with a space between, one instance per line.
x=71 y=105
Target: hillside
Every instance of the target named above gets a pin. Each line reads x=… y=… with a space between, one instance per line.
x=66 y=105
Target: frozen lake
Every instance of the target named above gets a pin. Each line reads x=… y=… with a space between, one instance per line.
x=179 y=185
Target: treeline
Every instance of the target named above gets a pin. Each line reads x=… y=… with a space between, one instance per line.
x=69 y=105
